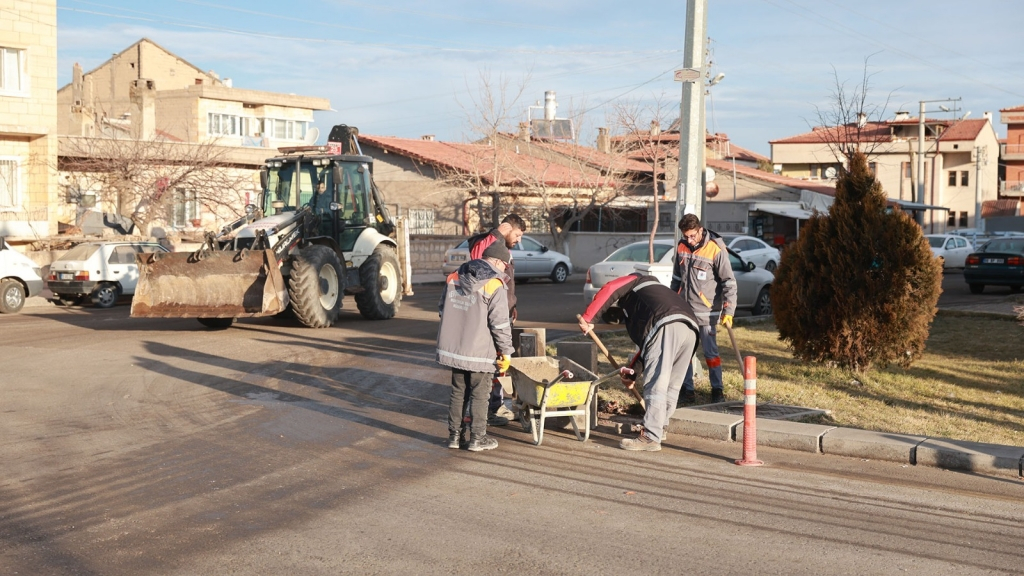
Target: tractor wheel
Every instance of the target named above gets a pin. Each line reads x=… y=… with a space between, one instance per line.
x=382 y=285
x=12 y=296
x=216 y=323
x=315 y=286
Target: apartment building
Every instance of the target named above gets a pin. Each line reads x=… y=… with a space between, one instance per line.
x=960 y=162
x=28 y=119
x=1011 y=153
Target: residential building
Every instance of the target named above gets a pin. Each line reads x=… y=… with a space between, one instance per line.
x=147 y=102
x=1011 y=153
x=28 y=119
x=959 y=173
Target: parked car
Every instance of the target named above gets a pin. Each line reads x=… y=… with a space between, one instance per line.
x=999 y=262
x=753 y=284
x=952 y=249
x=530 y=258
x=19 y=279
x=753 y=250
x=99 y=271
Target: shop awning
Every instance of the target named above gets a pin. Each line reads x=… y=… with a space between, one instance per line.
x=791 y=211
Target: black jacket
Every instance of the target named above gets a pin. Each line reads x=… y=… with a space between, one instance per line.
x=647 y=304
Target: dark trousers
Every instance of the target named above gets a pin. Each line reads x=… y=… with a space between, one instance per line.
x=473 y=388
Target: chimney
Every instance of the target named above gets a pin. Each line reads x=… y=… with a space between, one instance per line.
x=902 y=115
x=987 y=116
x=143 y=113
x=76 y=86
x=862 y=119
x=549 y=105
x=228 y=83
x=655 y=128
x=604 y=143
x=524 y=131
x=427 y=137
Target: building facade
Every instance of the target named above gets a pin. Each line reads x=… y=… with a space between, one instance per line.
x=28 y=120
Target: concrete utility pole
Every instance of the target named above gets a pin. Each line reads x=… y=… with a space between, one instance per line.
x=690 y=196
x=980 y=159
x=921 y=149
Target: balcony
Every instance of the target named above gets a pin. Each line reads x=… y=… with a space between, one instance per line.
x=1012 y=152
x=1011 y=188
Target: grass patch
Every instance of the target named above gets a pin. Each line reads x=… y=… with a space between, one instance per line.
x=968 y=385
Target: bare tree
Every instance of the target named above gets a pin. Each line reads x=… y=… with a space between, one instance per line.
x=852 y=123
x=146 y=180
x=644 y=142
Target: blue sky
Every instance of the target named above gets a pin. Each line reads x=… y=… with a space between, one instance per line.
x=409 y=68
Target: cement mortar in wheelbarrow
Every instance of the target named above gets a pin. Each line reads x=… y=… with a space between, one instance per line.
x=538 y=399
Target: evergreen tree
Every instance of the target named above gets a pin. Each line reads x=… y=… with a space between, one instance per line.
x=861 y=285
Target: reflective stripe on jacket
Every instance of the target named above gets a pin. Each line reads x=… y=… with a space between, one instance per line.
x=475 y=324
x=703 y=276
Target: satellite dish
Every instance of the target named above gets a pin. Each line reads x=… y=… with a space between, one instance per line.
x=311 y=135
x=830 y=172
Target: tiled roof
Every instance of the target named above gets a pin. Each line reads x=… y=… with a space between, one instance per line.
x=963 y=130
x=593 y=157
x=726 y=166
x=1001 y=208
x=1013 y=109
x=871 y=132
x=477 y=159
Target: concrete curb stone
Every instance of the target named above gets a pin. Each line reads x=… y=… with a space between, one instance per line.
x=871 y=445
x=788 y=435
x=713 y=425
x=972 y=456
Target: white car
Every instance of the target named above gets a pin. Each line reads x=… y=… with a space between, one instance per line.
x=530 y=258
x=19 y=279
x=753 y=284
x=753 y=250
x=99 y=271
x=952 y=249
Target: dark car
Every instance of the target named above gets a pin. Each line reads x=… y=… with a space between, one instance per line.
x=999 y=262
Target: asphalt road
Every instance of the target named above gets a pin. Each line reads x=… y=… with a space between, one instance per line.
x=135 y=446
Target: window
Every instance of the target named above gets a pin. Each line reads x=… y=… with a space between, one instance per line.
x=963 y=217
x=186 y=207
x=873 y=168
x=965 y=178
x=13 y=71
x=907 y=173
x=222 y=125
x=951 y=221
x=283 y=129
x=122 y=255
x=952 y=177
x=529 y=245
x=961 y=243
x=10 y=188
x=421 y=221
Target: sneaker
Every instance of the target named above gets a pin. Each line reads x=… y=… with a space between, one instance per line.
x=482 y=443
x=717 y=395
x=495 y=420
x=453 y=440
x=642 y=442
x=687 y=397
x=504 y=412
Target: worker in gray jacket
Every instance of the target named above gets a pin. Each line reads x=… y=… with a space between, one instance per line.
x=474 y=339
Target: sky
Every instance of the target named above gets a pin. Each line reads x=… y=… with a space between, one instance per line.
x=410 y=68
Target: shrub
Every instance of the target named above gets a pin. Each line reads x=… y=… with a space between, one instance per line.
x=860 y=285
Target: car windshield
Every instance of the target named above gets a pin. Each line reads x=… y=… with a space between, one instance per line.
x=463 y=245
x=80 y=252
x=936 y=241
x=637 y=252
x=1015 y=246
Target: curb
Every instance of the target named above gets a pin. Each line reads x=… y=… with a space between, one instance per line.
x=944 y=453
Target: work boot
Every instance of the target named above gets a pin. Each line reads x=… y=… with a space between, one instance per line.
x=642 y=442
x=687 y=397
x=481 y=443
x=453 y=440
x=717 y=395
x=495 y=420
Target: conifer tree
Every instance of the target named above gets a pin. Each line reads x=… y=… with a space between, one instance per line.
x=860 y=286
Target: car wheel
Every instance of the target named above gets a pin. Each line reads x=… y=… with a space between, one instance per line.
x=12 y=296
x=763 y=304
x=771 y=266
x=976 y=288
x=560 y=273
x=104 y=296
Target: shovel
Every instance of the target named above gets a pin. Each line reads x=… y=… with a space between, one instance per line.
x=615 y=365
x=739 y=357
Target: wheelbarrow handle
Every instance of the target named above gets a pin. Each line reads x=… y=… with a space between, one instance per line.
x=563 y=374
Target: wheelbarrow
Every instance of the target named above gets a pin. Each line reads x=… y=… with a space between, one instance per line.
x=548 y=387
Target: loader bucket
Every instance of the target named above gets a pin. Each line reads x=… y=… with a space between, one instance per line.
x=214 y=284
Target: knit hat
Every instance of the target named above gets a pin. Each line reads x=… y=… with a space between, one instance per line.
x=499 y=251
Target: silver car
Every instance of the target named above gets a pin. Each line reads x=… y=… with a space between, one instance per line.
x=753 y=284
x=530 y=258
x=754 y=250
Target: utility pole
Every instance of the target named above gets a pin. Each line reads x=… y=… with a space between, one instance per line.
x=921 y=148
x=980 y=159
x=690 y=197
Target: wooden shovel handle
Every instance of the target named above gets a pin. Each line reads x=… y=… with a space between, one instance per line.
x=615 y=365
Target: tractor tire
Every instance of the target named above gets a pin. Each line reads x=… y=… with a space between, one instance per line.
x=12 y=296
x=315 y=286
x=216 y=323
x=105 y=295
x=380 y=277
